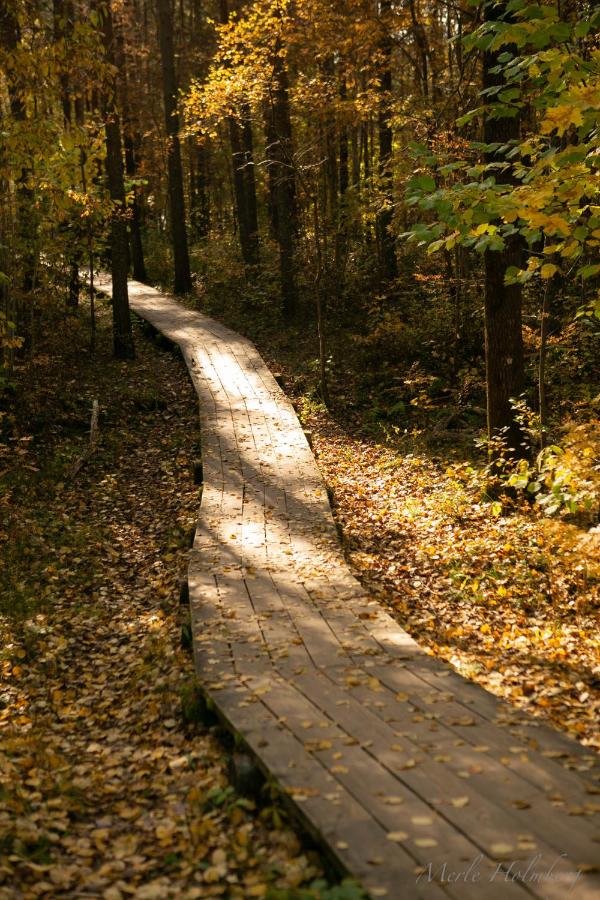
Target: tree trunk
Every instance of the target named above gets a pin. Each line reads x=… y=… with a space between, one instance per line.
x=26 y=230
x=122 y=333
x=63 y=13
x=341 y=237
x=240 y=136
x=242 y=185
x=63 y=21
x=135 y=231
x=343 y=143
x=281 y=157
x=503 y=327
x=181 y=260
x=387 y=250
x=199 y=202
x=250 y=182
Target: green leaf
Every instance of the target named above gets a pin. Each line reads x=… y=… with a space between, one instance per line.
x=581 y=29
x=589 y=271
x=423 y=183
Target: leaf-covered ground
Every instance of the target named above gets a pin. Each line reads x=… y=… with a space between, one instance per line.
x=104 y=790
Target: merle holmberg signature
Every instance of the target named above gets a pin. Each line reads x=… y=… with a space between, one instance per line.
x=529 y=871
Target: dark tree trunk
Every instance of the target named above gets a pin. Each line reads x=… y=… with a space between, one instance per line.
x=242 y=156
x=199 y=202
x=281 y=156
x=270 y=140
x=331 y=171
x=387 y=250
x=131 y=167
x=344 y=180
x=63 y=15
x=119 y=255
x=135 y=222
x=503 y=327
x=344 y=174
x=250 y=181
x=248 y=236
x=364 y=141
x=355 y=148
x=181 y=260
x=422 y=50
x=10 y=38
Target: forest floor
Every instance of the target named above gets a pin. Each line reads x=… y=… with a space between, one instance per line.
x=106 y=788
x=509 y=597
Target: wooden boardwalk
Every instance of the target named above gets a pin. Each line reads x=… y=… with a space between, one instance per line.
x=421 y=784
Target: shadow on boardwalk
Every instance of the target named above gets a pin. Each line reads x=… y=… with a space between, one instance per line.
x=419 y=783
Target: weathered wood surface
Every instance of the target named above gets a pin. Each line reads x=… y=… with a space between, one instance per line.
x=422 y=784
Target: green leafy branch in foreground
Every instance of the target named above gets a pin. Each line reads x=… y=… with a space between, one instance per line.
x=544 y=187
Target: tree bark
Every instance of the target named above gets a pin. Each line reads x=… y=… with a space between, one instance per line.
x=119 y=255
x=181 y=260
x=131 y=166
x=199 y=201
x=281 y=157
x=240 y=136
x=63 y=14
x=10 y=38
x=243 y=186
x=505 y=374
x=387 y=250
x=250 y=182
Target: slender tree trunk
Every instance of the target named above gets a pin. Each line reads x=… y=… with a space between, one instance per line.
x=26 y=219
x=387 y=250
x=135 y=222
x=250 y=182
x=135 y=230
x=240 y=135
x=355 y=153
x=63 y=15
x=505 y=372
x=281 y=156
x=344 y=179
x=331 y=146
x=341 y=239
x=181 y=260
x=199 y=202
x=543 y=355
x=247 y=230
x=270 y=140
x=422 y=50
x=119 y=254
x=364 y=142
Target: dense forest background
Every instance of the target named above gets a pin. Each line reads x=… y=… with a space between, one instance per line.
x=413 y=182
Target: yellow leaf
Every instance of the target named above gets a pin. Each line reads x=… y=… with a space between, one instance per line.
x=560 y=118
x=501 y=849
x=548 y=270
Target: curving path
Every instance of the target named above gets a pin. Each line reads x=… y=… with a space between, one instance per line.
x=419 y=783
